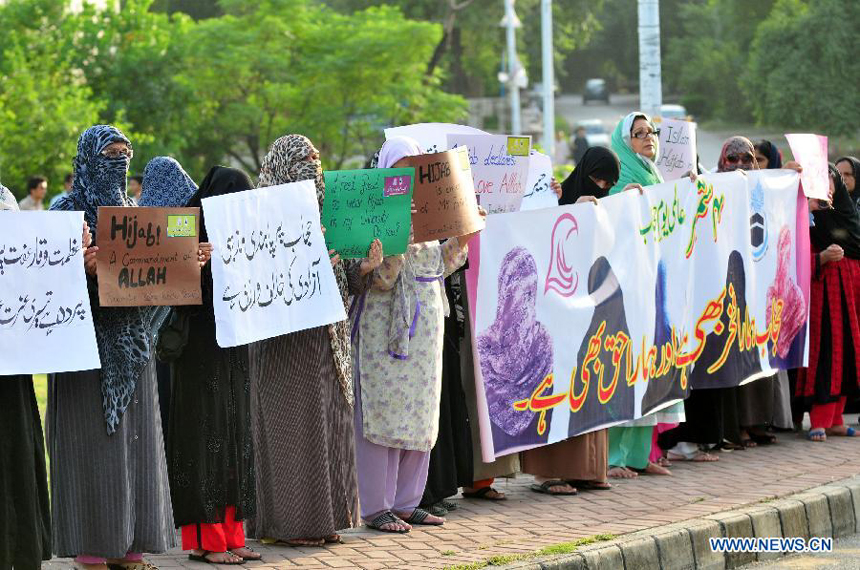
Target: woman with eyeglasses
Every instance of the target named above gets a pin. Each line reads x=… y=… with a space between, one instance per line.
x=849 y=168
x=833 y=375
x=635 y=140
x=109 y=488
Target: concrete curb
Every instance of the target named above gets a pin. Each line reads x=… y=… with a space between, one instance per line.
x=832 y=510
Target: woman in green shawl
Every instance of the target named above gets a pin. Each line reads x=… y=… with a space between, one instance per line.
x=634 y=140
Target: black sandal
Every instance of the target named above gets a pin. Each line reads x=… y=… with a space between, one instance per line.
x=591 y=485
x=202 y=558
x=482 y=494
x=419 y=516
x=384 y=518
x=763 y=438
x=448 y=505
x=546 y=485
x=437 y=510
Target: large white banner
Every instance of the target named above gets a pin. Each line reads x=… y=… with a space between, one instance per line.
x=45 y=320
x=270 y=268
x=586 y=316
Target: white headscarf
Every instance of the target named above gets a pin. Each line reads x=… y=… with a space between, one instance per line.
x=396 y=149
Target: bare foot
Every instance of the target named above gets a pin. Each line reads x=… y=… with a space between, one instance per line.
x=654 y=469
x=843 y=431
x=246 y=553
x=664 y=462
x=560 y=488
x=622 y=473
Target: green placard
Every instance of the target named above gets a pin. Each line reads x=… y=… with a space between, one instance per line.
x=519 y=146
x=361 y=205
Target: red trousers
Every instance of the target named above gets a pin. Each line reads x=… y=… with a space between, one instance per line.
x=216 y=537
x=827 y=415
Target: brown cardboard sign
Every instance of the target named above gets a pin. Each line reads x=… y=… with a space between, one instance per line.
x=148 y=256
x=444 y=196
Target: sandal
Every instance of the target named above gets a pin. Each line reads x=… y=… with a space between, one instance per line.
x=817 y=434
x=197 y=558
x=448 y=505
x=763 y=438
x=384 y=518
x=727 y=445
x=482 y=494
x=256 y=558
x=436 y=510
x=698 y=457
x=334 y=539
x=546 y=486
x=419 y=516
x=590 y=485
x=849 y=432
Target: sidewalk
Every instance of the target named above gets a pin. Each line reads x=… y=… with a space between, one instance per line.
x=527 y=522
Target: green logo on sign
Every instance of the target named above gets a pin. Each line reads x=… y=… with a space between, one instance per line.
x=518 y=146
x=181 y=226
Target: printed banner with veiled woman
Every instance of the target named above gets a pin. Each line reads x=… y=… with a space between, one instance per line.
x=586 y=316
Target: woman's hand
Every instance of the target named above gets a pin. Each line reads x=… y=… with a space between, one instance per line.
x=634 y=186
x=556 y=187
x=584 y=199
x=693 y=176
x=86 y=236
x=90 y=260
x=832 y=253
x=204 y=253
x=373 y=259
x=335 y=257
x=464 y=240
x=793 y=165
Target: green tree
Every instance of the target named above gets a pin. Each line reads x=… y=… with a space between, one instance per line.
x=803 y=66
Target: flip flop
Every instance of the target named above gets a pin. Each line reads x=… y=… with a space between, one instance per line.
x=202 y=558
x=482 y=494
x=763 y=438
x=817 y=435
x=419 y=516
x=384 y=518
x=546 y=485
x=449 y=505
x=698 y=457
x=849 y=432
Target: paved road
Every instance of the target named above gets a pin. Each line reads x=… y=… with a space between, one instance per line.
x=571 y=108
x=845 y=556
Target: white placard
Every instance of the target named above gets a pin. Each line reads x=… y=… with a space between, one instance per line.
x=271 y=272
x=539 y=193
x=677 y=148
x=46 y=324
x=500 y=177
x=432 y=137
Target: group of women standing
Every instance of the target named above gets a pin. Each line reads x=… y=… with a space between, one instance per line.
x=296 y=437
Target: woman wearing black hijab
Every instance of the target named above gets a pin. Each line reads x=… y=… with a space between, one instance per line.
x=594 y=175
x=833 y=375
x=209 y=444
x=849 y=168
x=767 y=155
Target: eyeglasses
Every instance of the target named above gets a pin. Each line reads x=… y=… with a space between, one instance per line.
x=118 y=152
x=645 y=134
x=744 y=158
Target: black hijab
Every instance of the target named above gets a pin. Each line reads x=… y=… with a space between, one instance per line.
x=839 y=224
x=598 y=161
x=768 y=149
x=219 y=180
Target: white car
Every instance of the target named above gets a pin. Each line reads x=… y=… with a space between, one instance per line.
x=674 y=112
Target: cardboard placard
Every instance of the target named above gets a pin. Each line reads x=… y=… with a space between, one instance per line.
x=444 y=196
x=148 y=256
x=362 y=205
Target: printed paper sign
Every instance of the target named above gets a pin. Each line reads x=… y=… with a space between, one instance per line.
x=431 y=137
x=46 y=324
x=677 y=148
x=539 y=194
x=362 y=205
x=148 y=256
x=586 y=316
x=271 y=273
x=811 y=152
x=500 y=178
x=444 y=196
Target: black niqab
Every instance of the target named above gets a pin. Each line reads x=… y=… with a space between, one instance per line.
x=840 y=224
x=597 y=161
